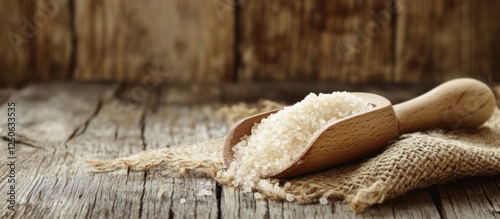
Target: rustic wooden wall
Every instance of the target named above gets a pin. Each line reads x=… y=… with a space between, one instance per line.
x=439 y=40
x=36 y=41
x=228 y=40
x=311 y=40
x=183 y=40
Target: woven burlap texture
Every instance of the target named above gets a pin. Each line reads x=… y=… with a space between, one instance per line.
x=414 y=161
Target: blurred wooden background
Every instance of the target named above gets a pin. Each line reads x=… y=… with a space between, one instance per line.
x=376 y=41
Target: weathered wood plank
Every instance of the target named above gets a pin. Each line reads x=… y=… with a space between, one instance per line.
x=477 y=197
x=234 y=203
x=38 y=41
x=114 y=131
x=348 y=41
x=440 y=40
x=48 y=179
x=185 y=40
x=293 y=210
x=45 y=115
x=415 y=204
x=174 y=122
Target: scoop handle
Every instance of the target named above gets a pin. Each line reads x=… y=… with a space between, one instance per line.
x=460 y=103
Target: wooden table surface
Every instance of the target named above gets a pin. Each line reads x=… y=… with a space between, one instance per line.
x=60 y=125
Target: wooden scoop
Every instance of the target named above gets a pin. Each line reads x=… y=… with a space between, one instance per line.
x=460 y=103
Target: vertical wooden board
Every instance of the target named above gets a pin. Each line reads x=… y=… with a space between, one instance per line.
x=15 y=43
x=53 y=44
x=349 y=41
x=125 y=40
x=441 y=40
x=471 y=198
x=37 y=43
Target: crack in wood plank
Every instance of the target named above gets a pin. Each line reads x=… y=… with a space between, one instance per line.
x=437 y=201
x=81 y=129
x=143 y=193
x=471 y=197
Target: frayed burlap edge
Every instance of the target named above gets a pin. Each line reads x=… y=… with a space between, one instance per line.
x=204 y=157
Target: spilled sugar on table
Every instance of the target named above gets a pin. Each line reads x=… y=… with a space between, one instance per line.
x=60 y=125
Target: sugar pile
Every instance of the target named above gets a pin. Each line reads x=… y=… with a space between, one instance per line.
x=280 y=138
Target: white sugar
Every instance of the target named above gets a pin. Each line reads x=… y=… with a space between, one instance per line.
x=288 y=184
x=289 y=197
x=279 y=139
x=182 y=201
x=257 y=195
x=323 y=201
x=204 y=192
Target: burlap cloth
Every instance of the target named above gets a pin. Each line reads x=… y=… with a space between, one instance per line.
x=414 y=161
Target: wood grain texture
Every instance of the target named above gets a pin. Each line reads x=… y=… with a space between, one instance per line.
x=236 y=204
x=15 y=48
x=123 y=41
x=456 y=104
x=226 y=40
x=415 y=204
x=441 y=40
x=473 y=197
x=45 y=105
x=37 y=41
x=53 y=49
x=48 y=171
x=349 y=41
